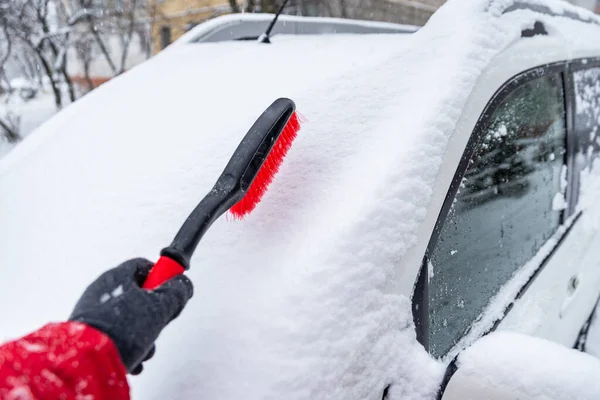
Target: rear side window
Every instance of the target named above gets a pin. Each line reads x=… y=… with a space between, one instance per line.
x=587 y=113
x=508 y=205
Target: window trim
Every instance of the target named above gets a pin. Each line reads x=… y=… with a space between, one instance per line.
x=420 y=302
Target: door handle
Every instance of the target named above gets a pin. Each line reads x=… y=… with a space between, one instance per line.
x=573 y=284
x=572 y=287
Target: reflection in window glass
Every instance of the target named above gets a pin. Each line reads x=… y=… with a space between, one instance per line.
x=508 y=205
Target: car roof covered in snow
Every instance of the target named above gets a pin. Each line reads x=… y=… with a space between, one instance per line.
x=294 y=301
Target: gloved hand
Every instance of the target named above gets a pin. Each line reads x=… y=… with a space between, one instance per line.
x=132 y=317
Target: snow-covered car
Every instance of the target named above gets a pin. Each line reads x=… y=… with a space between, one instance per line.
x=24 y=87
x=444 y=186
x=251 y=26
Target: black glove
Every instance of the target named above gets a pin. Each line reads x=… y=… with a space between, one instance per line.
x=132 y=317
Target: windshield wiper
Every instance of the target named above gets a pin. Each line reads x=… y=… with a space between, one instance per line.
x=264 y=38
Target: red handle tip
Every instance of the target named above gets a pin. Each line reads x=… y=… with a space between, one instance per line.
x=164 y=269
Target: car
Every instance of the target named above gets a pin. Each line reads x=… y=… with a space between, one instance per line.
x=249 y=26
x=440 y=202
x=26 y=89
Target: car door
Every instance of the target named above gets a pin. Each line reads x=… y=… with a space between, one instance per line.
x=584 y=98
x=567 y=287
x=506 y=245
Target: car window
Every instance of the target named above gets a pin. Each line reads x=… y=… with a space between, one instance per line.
x=237 y=30
x=509 y=203
x=587 y=113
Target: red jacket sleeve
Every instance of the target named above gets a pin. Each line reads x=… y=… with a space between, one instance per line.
x=67 y=361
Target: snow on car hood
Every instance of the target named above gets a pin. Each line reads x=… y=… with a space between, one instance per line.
x=292 y=302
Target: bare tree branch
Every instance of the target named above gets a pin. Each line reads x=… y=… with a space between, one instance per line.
x=127 y=37
x=101 y=45
x=8 y=42
x=10 y=130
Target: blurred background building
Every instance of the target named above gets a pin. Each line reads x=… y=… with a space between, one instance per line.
x=170 y=19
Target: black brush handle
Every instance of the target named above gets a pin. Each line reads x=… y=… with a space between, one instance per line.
x=230 y=188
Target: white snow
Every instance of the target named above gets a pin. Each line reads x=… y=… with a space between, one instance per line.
x=32 y=347
x=502 y=131
x=118 y=291
x=506 y=365
x=563 y=179
x=590 y=184
x=292 y=302
x=104 y=298
x=587 y=100
x=559 y=202
x=430 y=271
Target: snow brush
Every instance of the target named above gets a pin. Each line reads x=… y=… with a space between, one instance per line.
x=239 y=188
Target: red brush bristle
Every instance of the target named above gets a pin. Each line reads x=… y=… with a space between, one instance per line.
x=269 y=169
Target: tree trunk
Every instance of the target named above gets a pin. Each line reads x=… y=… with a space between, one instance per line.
x=328 y=8
x=153 y=17
x=10 y=134
x=55 y=88
x=8 y=48
x=4 y=78
x=102 y=47
x=69 y=85
x=145 y=43
x=234 y=6
x=86 y=74
x=343 y=9
x=99 y=40
x=128 y=37
x=267 y=6
x=63 y=70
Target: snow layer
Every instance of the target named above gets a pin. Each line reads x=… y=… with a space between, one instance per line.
x=292 y=302
x=506 y=365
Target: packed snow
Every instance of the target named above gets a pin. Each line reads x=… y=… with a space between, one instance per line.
x=293 y=302
x=540 y=370
x=559 y=202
